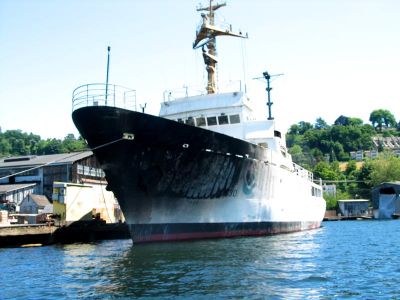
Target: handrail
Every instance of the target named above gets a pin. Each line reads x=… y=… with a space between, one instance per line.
x=303 y=172
x=101 y=94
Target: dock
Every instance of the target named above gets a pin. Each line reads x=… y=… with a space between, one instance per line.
x=41 y=235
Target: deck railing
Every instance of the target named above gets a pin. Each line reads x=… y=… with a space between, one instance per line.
x=303 y=172
x=101 y=94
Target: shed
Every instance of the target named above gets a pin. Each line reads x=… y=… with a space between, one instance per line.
x=12 y=195
x=386 y=200
x=35 y=204
x=353 y=207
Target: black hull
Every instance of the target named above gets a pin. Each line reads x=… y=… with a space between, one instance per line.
x=164 y=159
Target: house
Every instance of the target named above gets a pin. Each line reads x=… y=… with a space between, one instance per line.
x=11 y=195
x=354 y=207
x=329 y=189
x=35 y=204
x=386 y=200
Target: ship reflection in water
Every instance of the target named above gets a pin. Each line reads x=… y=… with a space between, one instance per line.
x=221 y=268
x=343 y=259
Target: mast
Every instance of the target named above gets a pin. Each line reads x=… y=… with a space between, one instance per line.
x=108 y=70
x=267 y=77
x=206 y=39
x=269 y=103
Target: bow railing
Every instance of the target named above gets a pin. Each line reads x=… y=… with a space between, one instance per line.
x=101 y=94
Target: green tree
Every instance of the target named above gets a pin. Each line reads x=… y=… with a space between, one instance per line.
x=351 y=168
x=342 y=121
x=70 y=144
x=300 y=128
x=325 y=171
x=385 y=168
x=320 y=124
x=5 y=147
x=355 y=122
x=380 y=117
x=51 y=146
x=331 y=200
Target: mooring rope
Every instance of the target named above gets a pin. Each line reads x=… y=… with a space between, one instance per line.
x=60 y=159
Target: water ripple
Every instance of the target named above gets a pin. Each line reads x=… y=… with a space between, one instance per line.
x=343 y=260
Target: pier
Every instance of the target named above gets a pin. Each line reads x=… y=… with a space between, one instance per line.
x=41 y=235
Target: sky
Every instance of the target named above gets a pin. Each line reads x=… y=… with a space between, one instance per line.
x=337 y=57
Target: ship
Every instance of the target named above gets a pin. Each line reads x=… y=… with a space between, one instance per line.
x=206 y=167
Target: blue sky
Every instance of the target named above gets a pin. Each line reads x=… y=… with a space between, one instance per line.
x=339 y=57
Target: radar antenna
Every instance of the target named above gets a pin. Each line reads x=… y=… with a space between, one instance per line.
x=205 y=38
x=267 y=77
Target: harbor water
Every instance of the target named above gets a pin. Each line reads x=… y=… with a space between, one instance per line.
x=342 y=260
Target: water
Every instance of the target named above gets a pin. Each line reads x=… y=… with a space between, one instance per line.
x=343 y=260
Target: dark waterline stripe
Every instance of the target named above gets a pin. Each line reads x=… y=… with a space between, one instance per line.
x=143 y=233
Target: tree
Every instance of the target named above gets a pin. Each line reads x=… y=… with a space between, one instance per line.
x=325 y=171
x=351 y=168
x=5 y=147
x=385 y=168
x=51 y=146
x=342 y=121
x=300 y=128
x=355 y=122
x=331 y=200
x=70 y=144
x=320 y=124
x=297 y=154
x=379 y=117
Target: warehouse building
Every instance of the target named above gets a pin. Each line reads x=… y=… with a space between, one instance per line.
x=23 y=176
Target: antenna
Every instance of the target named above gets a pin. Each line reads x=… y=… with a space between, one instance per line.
x=206 y=40
x=267 y=77
x=143 y=107
x=108 y=69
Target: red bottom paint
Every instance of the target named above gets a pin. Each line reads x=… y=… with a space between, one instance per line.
x=176 y=232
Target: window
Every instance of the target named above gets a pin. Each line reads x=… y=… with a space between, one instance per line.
x=265 y=145
x=277 y=133
x=234 y=119
x=223 y=120
x=190 y=121
x=90 y=171
x=180 y=120
x=201 y=121
x=212 y=121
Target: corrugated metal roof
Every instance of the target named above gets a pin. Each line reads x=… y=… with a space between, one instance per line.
x=40 y=200
x=7 y=188
x=30 y=161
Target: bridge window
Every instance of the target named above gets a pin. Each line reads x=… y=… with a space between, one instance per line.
x=264 y=145
x=234 y=119
x=211 y=121
x=190 y=121
x=201 y=121
x=223 y=120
